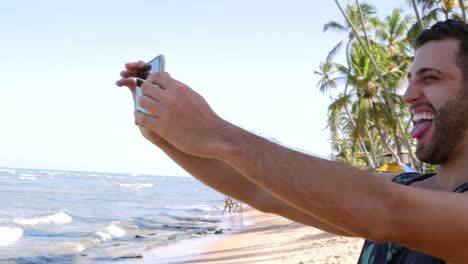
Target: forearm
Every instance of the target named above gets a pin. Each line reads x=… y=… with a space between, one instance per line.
x=223 y=178
x=339 y=195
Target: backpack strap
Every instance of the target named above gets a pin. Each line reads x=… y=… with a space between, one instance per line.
x=463 y=188
x=394 y=253
x=411 y=177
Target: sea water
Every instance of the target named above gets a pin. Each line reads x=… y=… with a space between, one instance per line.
x=49 y=216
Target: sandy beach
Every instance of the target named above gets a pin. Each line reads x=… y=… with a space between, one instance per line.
x=272 y=239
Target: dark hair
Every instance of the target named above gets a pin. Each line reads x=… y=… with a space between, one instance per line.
x=449 y=29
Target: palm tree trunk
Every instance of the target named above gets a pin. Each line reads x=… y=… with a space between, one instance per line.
x=372 y=145
x=418 y=16
x=348 y=59
x=372 y=160
x=462 y=7
x=362 y=22
x=397 y=143
x=388 y=99
x=382 y=137
x=407 y=127
x=361 y=148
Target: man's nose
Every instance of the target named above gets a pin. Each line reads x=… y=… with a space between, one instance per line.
x=413 y=93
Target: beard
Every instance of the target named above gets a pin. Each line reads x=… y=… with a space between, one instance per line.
x=451 y=122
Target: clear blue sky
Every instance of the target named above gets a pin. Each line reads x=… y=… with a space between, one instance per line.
x=253 y=60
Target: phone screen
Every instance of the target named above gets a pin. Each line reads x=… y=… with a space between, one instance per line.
x=153 y=66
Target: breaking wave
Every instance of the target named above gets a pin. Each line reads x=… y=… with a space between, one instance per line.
x=59 y=218
x=9 y=235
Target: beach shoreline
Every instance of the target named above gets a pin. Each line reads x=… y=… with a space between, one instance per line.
x=188 y=250
x=272 y=239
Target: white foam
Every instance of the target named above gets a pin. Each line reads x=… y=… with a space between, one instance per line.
x=104 y=236
x=9 y=235
x=59 y=218
x=199 y=207
x=136 y=186
x=115 y=231
x=110 y=232
x=30 y=178
x=80 y=248
x=71 y=247
x=26 y=174
x=10 y=171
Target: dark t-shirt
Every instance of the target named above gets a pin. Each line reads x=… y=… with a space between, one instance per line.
x=391 y=253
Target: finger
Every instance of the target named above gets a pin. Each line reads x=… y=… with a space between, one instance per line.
x=132 y=69
x=127 y=73
x=146 y=121
x=134 y=66
x=153 y=91
x=153 y=106
x=163 y=79
x=128 y=82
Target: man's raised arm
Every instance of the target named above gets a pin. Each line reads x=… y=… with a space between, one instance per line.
x=429 y=221
x=341 y=196
x=223 y=178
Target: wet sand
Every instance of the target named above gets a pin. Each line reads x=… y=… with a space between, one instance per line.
x=272 y=239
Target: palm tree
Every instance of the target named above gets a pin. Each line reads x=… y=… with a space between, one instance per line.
x=415 y=6
x=365 y=81
x=327 y=81
x=393 y=32
x=364 y=12
x=461 y=3
x=386 y=90
x=337 y=109
x=358 y=114
x=347 y=126
x=431 y=8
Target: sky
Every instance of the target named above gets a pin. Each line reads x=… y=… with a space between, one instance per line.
x=252 y=60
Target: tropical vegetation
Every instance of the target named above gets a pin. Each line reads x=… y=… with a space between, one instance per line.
x=365 y=74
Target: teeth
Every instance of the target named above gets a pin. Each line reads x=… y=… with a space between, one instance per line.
x=425 y=116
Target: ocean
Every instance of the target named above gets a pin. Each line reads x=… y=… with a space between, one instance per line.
x=49 y=216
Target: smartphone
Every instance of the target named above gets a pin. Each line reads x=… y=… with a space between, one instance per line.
x=155 y=65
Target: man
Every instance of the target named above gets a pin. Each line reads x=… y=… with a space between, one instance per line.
x=424 y=223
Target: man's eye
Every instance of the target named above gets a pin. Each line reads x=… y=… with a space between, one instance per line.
x=430 y=78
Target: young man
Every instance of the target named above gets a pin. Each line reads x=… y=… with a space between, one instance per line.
x=424 y=223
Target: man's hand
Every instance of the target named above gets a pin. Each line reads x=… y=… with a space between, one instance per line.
x=181 y=116
x=128 y=81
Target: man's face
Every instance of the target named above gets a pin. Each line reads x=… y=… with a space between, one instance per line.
x=438 y=101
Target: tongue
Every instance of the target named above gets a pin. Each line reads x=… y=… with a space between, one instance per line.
x=420 y=128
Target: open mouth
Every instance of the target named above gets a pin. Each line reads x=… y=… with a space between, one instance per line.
x=422 y=123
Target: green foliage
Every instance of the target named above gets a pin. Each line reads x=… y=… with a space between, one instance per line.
x=363 y=118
